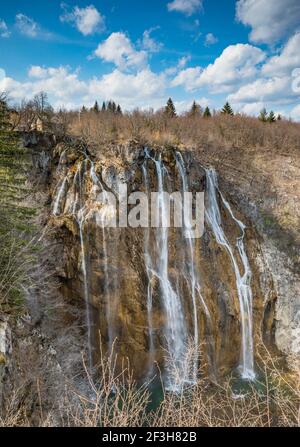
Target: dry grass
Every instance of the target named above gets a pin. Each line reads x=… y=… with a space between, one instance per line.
x=118 y=401
x=192 y=132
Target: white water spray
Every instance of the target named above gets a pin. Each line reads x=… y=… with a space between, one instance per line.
x=243 y=281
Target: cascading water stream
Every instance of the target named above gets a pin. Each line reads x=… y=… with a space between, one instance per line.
x=78 y=211
x=175 y=328
x=59 y=195
x=243 y=281
x=150 y=275
x=192 y=276
x=101 y=221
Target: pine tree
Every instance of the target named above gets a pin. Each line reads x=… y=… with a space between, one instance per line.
x=170 y=110
x=206 y=113
x=96 y=107
x=271 y=117
x=279 y=117
x=14 y=216
x=104 y=106
x=227 y=110
x=119 y=110
x=263 y=116
x=195 y=110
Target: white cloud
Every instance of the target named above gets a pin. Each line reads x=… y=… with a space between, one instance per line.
x=253 y=108
x=148 y=43
x=35 y=71
x=143 y=89
x=210 y=39
x=4 y=32
x=118 y=49
x=87 y=20
x=236 y=64
x=270 y=20
x=285 y=62
x=276 y=89
x=183 y=61
x=187 y=7
x=295 y=113
x=188 y=78
x=27 y=26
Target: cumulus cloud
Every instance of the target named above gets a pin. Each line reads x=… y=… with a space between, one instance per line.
x=210 y=39
x=4 y=32
x=35 y=71
x=269 y=20
x=286 y=61
x=118 y=49
x=276 y=89
x=148 y=43
x=295 y=113
x=87 y=20
x=189 y=78
x=27 y=26
x=144 y=89
x=187 y=7
x=236 y=64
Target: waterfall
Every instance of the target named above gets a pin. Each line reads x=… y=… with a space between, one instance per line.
x=243 y=281
x=101 y=217
x=80 y=220
x=191 y=275
x=59 y=195
x=79 y=213
x=150 y=275
x=175 y=329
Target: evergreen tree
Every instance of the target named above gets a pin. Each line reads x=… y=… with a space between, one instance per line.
x=170 y=110
x=104 y=106
x=263 y=116
x=111 y=107
x=227 y=110
x=271 y=117
x=96 y=107
x=14 y=216
x=83 y=109
x=279 y=117
x=206 y=113
x=195 y=110
x=119 y=110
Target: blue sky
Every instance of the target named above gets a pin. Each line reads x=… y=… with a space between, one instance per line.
x=141 y=52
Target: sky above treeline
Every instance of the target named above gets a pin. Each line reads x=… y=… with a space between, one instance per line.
x=140 y=52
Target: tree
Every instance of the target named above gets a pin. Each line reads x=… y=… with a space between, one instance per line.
x=279 y=117
x=271 y=117
x=195 y=110
x=111 y=107
x=170 y=110
x=104 y=106
x=227 y=110
x=14 y=216
x=206 y=113
x=96 y=107
x=119 y=110
x=263 y=116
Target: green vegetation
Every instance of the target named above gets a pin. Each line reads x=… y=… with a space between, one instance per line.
x=227 y=110
x=15 y=217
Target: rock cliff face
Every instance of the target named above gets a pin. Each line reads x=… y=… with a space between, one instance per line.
x=156 y=293
x=266 y=186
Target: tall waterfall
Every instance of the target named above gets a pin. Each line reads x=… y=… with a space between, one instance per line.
x=175 y=330
x=191 y=274
x=243 y=280
x=150 y=276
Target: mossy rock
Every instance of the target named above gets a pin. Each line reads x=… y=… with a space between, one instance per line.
x=2 y=359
